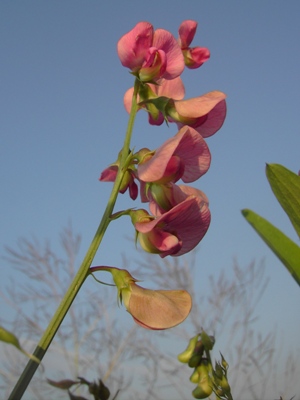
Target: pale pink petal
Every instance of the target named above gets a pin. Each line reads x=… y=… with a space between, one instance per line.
x=187 y=32
x=128 y=99
x=165 y=41
x=199 y=106
x=209 y=124
x=159 y=309
x=133 y=46
x=174 y=88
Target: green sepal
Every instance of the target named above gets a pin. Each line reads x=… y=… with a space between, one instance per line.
x=161 y=104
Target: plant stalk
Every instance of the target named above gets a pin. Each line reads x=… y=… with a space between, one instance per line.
x=83 y=271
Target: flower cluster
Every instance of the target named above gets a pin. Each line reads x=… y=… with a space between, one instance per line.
x=208 y=378
x=178 y=215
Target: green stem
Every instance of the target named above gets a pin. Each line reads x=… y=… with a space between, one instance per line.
x=83 y=271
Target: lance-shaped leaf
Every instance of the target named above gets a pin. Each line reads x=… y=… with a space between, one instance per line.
x=8 y=337
x=285 y=249
x=286 y=187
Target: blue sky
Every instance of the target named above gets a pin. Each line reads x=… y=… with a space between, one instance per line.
x=63 y=121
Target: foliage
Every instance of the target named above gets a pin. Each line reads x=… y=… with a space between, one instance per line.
x=286 y=187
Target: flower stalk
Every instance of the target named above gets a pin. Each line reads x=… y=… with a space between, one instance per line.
x=83 y=271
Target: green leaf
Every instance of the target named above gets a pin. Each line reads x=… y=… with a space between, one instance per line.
x=8 y=337
x=286 y=187
x=285 y=249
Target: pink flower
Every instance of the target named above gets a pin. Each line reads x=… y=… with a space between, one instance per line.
x=184 y=156
x=151 y=309
x=173 y=88
x=150 y=54
x=176 y=231
x=110 y=173
x=194 y=57
x=163 y=198
x=206 y=113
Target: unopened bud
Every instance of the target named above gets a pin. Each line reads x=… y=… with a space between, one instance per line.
x=185 y=356
x=208 y=341
x=224 y=362
x=205 y=385
x=218 y=372
x=201 y=393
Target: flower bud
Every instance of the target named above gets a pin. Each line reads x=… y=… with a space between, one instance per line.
x=205 y=386
x=224 y=362
x=187 y=353
x=208 y=341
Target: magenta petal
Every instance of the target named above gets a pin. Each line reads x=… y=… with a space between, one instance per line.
x=158 y=121
x=109 y=174
x=133 y=46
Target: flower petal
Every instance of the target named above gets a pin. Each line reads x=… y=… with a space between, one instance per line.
x=187 y=32
x=173 y=88
x=214 y=120
x=196 y=56
x=199 y=106
x=109 y=174
x=189 y=221
x=192 y=151
x=133 y=46
x=165 y=41
x=159 y=309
